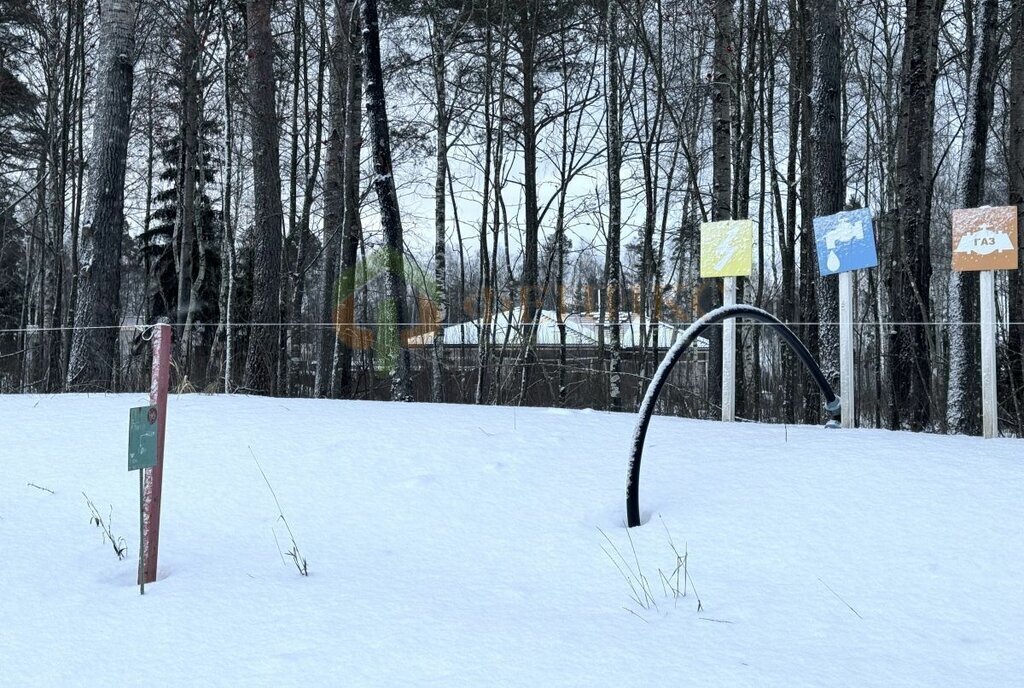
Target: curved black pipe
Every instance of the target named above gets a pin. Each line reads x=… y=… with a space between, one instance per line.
x=832 y=402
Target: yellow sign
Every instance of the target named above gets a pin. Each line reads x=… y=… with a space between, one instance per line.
x=726 y=248
x=985 y=239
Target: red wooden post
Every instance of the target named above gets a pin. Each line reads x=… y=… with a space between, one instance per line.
x=154 y=476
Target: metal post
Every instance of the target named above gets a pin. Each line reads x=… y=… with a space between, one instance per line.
x=989 y=400
x=729 y=355
x=847 y=373
x=161 y=342
x=142 y=532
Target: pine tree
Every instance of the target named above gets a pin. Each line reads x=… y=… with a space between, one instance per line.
x=17 y=101
x=159 y=248
x=12 y=284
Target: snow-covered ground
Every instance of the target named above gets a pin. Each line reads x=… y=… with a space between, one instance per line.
x=452 y=545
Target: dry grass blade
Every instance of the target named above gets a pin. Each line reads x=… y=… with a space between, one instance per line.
x=118 y=543
x=840 y=599
x=640 y=588
x=681 y=566
x=294 y=553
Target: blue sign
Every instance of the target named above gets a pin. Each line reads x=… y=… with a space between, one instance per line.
x=846 y=241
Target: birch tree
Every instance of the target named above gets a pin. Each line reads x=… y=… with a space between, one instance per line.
x=613 y=98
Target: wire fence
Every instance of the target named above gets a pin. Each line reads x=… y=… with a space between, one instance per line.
x=323 y=360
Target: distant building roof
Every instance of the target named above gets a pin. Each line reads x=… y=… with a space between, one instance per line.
x=580 y=331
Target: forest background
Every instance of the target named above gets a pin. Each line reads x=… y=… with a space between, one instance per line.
x=444 y=200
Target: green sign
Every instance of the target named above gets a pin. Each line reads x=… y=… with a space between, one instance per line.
x=142 y=437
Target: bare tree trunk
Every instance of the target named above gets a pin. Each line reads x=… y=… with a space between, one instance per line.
x=147 y=219
x=486 y=288
x=438 y=45
x=495 y=308
x=30 y=343
x=829 y=176
x=190 y=161
x=93 y=345
x=351 y=338
x=393 y=308
x=614 y=135
x=721 y=145
x=334 y=200
x=744 y=103
x=1015 y=166
x=807 y=291
x=261 y=361
x=78 y=180
x=295 y=240
x=785 y=217
x=763 y=204
x=312 y=171
x=227 y=284
x=650 y=127
x=528 y=31
x=963 y=408
x=911 y=271
x=61 y=90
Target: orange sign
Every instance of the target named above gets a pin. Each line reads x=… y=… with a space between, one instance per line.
x=985 y=239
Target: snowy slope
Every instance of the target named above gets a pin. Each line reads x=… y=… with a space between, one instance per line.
x=452 y=545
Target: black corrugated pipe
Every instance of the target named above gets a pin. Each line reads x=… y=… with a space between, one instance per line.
x=832 y=403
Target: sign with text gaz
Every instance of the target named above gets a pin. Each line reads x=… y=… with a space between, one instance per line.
x=985 y=239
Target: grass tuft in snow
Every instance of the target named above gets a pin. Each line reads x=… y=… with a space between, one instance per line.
x=118 y=543
x=670 y=582
x=294 y=553
x=639 y=586
x=674 y=584
x=184 y=385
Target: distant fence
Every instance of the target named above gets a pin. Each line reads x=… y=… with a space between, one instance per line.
x=767 y=389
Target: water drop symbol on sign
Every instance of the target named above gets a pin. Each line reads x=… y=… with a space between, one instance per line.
x=844 y=232
x=833 y=261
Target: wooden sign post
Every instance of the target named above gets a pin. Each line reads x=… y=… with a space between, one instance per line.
x=726 y=250
x=985 y=240
x=153 y=478
x=845 y=243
